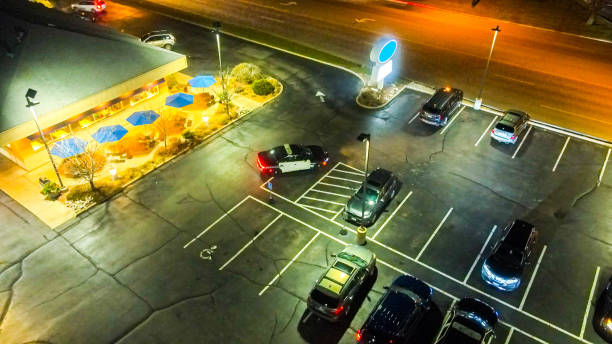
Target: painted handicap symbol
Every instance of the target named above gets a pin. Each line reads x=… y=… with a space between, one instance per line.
x=207 y=253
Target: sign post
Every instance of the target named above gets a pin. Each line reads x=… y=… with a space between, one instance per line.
x=269 y=186
x=382 y=52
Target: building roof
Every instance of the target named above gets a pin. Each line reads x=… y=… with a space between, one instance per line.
x=67 y=60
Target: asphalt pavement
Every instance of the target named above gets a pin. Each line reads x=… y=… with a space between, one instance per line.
x=194 y=251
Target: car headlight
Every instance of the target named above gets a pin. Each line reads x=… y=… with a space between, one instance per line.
x=606 y=323
x=511 y=281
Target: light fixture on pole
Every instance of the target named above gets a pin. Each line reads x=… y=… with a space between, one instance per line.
x=30 y=95
x=362 y=230
x=216 y=27
x=478 y=101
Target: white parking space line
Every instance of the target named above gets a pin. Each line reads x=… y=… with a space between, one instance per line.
x=313 y=185
x=352 y=168
x=392 y=214
x=514 y=328
x=323 y=200
x=434 y=233
x=348 y=180
x=266 y=182
x=331 y=193
x=319 y=209
x=349 y=172
x=216 y=221
x=338 y=186
x=486 y=131
x=561 y=154
x=278 y=275
x=414 y=117
x=535 y=271
x=588 y=307
x=522 y=141
x=479 y=254
x=509 y=335
x=251 y=241
x=338 y=213
x=452 y=120
x=603 y=168
x=454 y=298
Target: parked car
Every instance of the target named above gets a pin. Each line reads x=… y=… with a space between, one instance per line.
x=510 y=127
x=469 y=321
x=381 y=187
x=602 y=318
x=504 y=267
x=291 y=157
x=160 y=38
x=334 y=292
x=441 y=106
x=399 y=312
x=89 y=6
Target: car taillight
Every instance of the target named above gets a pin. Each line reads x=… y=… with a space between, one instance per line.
x=338 y=310
x=324 y=163
x=260 y=164
x=493 y=131
x=358 y=336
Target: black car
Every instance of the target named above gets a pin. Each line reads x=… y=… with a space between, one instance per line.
x=469 y=321
x=441 y=106
x=602 y=318
x=291 y=157
x=380 y=188
x=504 y=267
x=510 y=127
x=398 y=313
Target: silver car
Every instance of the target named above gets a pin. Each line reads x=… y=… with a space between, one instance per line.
x=162 y=39
x=510 y=127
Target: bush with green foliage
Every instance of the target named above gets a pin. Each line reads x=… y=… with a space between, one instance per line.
x=262 y=87
x=246 y=73
x=50 y=188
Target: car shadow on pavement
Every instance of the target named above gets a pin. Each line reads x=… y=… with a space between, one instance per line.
x=418 y=128
x=316 y=330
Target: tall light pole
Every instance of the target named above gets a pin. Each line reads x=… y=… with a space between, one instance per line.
x=216 y=27
x=30 y=95
x=362 y=231
x=478 y=101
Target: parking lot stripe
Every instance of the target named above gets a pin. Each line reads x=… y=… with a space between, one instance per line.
x=331 y=193
x=392 y=214
x=352 y=168
x=522 y=141
x=434 y=233
x=348 y=180
x=320 y=179
x=338 y=186
x=266 y=182
x=514 y=328
x=323 y=200
x=431 y=268
x=349 y=172
x=479 y=254
x=588 y=308
x=216 y=221
x=561 y=154
x=251 y=241
x=603 y=168
x=441 y=291
x=278 y=275
x=413 y=118
x=485 y=132
x=338 y=213
x=452 y=120
x=535 y=271
x=317 y=208
x=509 y=335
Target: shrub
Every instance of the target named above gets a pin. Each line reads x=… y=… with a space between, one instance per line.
x=371 y=97
x=83 y=193
x=246 y=73
x=50 y=188
x=188 y=135
x=262 y=87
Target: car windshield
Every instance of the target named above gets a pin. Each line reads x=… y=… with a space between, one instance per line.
x=371 y=194
x=460 y=333
x=324 y=299
x=508 y=256
x=410 y=293
x=353 y=259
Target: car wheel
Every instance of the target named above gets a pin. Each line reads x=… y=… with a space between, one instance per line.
x=168 y=46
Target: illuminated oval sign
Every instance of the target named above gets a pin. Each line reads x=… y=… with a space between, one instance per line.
x=387 y=51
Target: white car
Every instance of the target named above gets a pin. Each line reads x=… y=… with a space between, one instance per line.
x=89 y=6
x=161 y=38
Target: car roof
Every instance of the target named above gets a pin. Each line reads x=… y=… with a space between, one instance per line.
x=394 y=310
x=519 y=233
x=439 y=99
x=335 y=279
x=379 y=177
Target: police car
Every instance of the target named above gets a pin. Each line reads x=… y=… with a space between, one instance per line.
x=291 y=157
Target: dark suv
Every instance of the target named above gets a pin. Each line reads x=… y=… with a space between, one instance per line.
x=334 y=292
x=602 y=318
x=381 y=187
x=504 y=267
x=509 y=127
x=469 y=321
x=398 y=313
x=441 y=106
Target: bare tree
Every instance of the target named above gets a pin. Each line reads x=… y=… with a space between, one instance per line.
x=226 y=92
x=162 y=125
x=594 y=7
x=87 y=164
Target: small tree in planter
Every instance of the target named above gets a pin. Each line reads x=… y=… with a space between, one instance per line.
x=87 y=164
x=51 y=190
x=262 y=87
x=225 y=93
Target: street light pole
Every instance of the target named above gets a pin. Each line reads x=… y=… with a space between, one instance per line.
x=362 y=230
x=478 y=101
x=30 y=94
x=217 y=26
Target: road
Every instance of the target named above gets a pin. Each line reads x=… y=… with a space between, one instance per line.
x=558 y=78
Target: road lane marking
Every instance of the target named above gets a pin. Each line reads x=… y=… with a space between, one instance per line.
x=509 y=335
x=348 y=180
x=320 y=179
x=251 y=241
x=323 y=200
x=522 y=141
x=413 y=118
x=590 y=118
x=535 y=271
x=514 y=79
x=431 y=268
x=452 y=120
x=434 y=233
x=485 y=132
x=588 y=308
x=273 y=19
x=278 y=275
x=216 y=221
x=349 y=172
x=392 y=214
x=479 y=254
x=320 y=209
x=561 y=154
x=603 y=168
x=338 y=186
x=331 y=193
x=352 y=168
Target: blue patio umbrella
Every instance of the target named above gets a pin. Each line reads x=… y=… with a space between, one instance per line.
x=69 y=147
x=179 y=100
x=202 y=81
x=109 y=133
x=143 y=117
